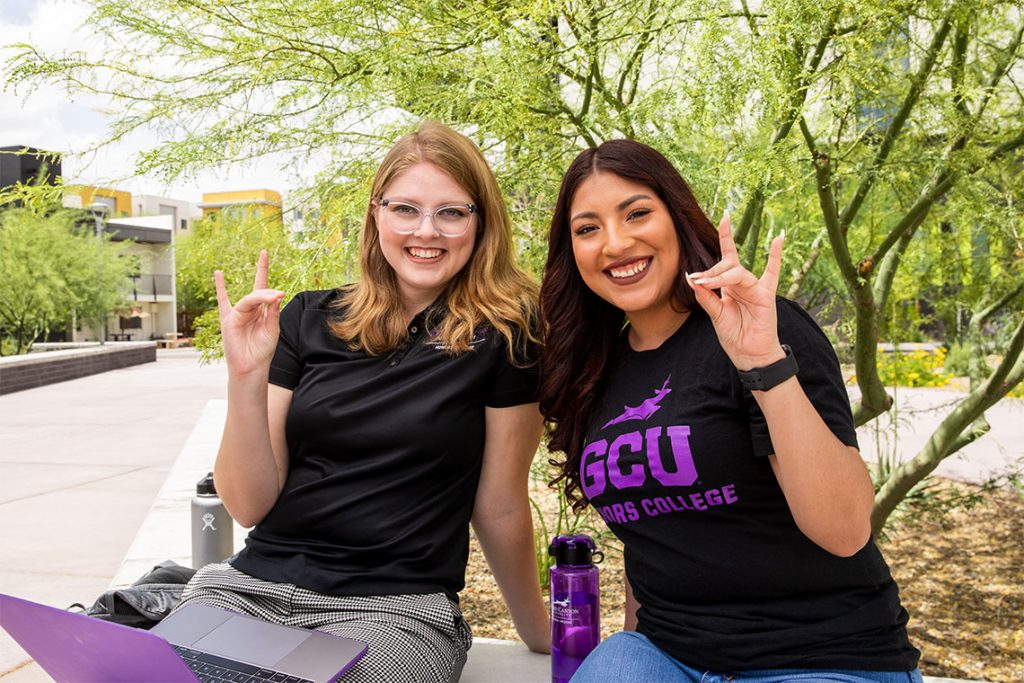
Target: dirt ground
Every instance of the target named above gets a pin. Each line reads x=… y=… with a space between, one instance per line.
x=961 y=578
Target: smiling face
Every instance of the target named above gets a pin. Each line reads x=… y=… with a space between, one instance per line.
x=625 y=245
x=424 y=261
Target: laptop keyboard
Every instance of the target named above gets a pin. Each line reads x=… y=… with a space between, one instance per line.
x=213 y=669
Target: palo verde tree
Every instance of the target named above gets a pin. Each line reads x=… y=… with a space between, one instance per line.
x=232 y=244
x=879 y=134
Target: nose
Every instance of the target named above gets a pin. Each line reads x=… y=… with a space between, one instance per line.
x=426 y=227
x=618 y=239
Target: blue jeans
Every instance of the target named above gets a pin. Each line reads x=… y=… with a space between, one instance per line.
x=628 y=657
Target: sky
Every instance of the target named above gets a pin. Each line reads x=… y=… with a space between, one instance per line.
x=50 y=120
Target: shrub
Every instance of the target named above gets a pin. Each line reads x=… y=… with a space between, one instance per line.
x=917 y=369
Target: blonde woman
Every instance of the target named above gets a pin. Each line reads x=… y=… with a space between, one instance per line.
x=368 y=425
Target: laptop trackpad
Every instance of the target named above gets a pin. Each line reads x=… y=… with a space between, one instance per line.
x=251 y=640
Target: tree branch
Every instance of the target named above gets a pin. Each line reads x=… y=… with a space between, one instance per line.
x=807 y=266
x=887 y=270
x=942 y=183
x=893 y=132
x=1008 y=374
x=793 y=112
x=983 y=316
x=874 y=399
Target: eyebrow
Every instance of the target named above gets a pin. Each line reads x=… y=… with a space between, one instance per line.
x=622 y=205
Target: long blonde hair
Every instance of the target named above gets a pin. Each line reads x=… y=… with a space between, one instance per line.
x=490 y=289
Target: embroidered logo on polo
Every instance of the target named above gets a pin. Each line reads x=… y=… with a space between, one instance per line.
x=653 y=457
x=479 y=337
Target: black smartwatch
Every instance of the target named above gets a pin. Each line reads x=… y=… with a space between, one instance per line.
x=763 y=379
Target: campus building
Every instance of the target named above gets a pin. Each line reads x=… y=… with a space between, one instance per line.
x=117 y=202
x=152 y=224
x=183 y=213
x=28 y=166
x=243 y=204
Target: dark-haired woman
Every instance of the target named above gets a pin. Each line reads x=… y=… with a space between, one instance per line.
x=705 y=419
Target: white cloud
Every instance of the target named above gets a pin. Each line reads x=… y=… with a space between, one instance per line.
x=49 y=119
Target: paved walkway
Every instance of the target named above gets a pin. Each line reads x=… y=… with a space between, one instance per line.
x=919 y=412
x=81 y=463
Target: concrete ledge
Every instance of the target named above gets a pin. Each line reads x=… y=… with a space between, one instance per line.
x=164 y=535
x=28 y=371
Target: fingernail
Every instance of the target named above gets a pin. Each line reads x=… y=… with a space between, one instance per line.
x=782 y=234
x=727 y=215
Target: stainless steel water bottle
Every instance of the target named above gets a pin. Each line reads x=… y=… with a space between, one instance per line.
x=212 y=527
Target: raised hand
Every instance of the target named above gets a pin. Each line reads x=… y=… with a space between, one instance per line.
x=250 y=327
x=745 y=317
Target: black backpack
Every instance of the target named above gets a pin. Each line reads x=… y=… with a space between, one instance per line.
x=145 y=602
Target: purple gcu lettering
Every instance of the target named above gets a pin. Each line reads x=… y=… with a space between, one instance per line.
x=600 y=463
x=592 y=469
x=685 y=471
x=635 y=477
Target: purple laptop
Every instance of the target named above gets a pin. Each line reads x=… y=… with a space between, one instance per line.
x=197 y=642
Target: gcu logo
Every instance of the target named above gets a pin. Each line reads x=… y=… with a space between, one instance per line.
x=600 y=464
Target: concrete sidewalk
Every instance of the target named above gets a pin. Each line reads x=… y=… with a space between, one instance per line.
x=918 y=412
x=82 y=462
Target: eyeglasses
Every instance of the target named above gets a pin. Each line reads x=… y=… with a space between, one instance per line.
x=404 y=218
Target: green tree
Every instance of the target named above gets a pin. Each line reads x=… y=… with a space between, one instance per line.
x=232 y=244
x=882 y=136
x=52 y=272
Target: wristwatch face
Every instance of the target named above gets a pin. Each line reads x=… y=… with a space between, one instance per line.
x=763 y=379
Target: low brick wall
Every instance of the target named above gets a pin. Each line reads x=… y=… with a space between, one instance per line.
x=39 y=369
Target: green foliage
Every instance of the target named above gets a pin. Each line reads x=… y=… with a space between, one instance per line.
x=560 y=518
x=958 y=360
x=52 y=271
x=886 y=138
x=230 y=244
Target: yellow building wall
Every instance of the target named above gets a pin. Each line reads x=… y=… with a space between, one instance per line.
x=260 y=203
x=88 y=193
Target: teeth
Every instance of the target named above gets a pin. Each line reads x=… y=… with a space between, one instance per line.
x=637 y=267
x=425 y=253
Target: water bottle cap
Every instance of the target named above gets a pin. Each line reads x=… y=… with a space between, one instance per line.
x=205 y=486
x=574 y=549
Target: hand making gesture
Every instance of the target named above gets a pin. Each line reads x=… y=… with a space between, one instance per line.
x=745 y=317
x=250 y=327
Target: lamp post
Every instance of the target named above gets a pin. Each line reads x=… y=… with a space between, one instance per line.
x=99 y=212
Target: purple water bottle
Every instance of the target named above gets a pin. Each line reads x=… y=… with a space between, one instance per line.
x=575 y=604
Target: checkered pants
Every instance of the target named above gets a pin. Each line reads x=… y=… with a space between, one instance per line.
x=412 y=638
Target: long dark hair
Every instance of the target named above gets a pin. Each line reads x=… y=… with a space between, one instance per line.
x=580 y=328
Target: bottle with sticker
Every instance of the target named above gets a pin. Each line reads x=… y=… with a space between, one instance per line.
x=575 y=603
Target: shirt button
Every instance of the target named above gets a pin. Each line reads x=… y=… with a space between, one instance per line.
x=393 y=363
x=414 y=329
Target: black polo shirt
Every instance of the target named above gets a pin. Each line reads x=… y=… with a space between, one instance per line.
x=384 y=457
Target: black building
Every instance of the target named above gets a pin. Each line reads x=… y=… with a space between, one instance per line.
x=20 y=164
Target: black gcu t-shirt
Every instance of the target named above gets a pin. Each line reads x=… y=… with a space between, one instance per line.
x=674 y=462
x=384 y=457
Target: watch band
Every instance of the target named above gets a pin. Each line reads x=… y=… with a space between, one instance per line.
x=763 y=379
